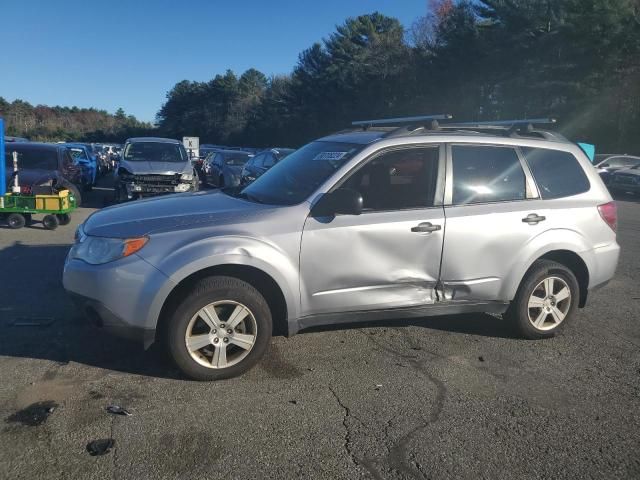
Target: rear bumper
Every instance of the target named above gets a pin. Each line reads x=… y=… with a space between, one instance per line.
x=604 y=264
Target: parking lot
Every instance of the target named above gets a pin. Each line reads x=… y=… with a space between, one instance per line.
x=443 y=397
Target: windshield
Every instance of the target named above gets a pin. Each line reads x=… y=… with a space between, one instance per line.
x=236 y=159
x=154 y=152
x=78 y=153
x=295 y=178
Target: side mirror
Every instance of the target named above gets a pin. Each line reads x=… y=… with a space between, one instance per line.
x=343 y=201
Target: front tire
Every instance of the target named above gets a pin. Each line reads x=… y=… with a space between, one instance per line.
x=75 y=191
x=220 y=330
x=547 y=298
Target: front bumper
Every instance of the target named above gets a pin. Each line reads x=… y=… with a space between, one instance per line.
x=124 y=296
x=134 y=189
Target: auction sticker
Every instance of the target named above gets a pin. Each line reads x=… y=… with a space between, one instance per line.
x=330 y=156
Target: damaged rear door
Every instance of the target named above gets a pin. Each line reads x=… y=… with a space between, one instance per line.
x=389 y=256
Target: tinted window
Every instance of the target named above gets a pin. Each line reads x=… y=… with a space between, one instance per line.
x=269 y=160
x=236 y=159
x=558 y=174
x=258 y=161
x=32 y=158
x=486 y=174
x=398 y=180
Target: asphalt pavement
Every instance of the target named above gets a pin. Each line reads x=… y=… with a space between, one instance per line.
x=446 y=397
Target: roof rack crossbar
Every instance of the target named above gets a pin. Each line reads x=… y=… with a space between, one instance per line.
x=503 y=123
x=400 y=120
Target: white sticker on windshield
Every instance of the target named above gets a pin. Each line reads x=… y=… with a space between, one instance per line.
x=329 y=156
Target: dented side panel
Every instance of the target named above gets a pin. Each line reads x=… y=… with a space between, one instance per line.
x=370 y=261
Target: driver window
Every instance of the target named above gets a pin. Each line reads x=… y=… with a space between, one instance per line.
x=398 y=180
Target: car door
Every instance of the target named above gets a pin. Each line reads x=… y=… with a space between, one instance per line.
x=215 y=169
x=389 y=256
x=490 y=211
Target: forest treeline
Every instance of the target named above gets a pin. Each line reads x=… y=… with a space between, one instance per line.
x=577 y=60
x=43 y=123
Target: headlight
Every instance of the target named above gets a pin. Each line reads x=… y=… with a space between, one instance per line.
x=99 y=250
x=186 y=177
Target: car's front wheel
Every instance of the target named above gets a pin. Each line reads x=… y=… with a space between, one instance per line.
x=546 y=300
x=220 y=330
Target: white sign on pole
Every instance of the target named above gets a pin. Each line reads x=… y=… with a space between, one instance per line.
x=192 y=146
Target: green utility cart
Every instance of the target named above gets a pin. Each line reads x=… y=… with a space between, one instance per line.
x=17 y=210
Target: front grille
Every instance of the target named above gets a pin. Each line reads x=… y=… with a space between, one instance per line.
x=157 y=180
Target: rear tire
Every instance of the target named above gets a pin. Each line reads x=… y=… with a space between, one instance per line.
x=50 y=222
x=15 y=221
x=200 y=320
x=546 y=300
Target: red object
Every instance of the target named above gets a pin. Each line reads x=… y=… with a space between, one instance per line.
x=609 y=213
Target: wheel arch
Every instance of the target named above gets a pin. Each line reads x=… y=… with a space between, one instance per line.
x=259 y=279
x=570 y=259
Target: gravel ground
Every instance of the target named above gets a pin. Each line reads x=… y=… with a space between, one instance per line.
x=445 y=397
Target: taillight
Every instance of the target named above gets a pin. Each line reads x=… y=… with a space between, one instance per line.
x=609 y=213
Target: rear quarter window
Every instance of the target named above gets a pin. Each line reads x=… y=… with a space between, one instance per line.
x=558 y=174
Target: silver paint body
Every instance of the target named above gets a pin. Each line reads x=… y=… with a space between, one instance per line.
x=352 y=263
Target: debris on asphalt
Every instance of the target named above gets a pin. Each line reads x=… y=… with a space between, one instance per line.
x=118 y=410
x=294 y=402
x=100 y=447
x=416 y=348
x=481 y=358
x=34 y=415
x=378 y=387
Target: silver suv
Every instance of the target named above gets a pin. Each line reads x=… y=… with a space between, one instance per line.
x=380 y=223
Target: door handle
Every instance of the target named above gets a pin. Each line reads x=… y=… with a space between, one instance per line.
x=533 y=219
x=425 y=227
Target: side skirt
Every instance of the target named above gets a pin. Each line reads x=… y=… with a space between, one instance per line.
x=443 y=308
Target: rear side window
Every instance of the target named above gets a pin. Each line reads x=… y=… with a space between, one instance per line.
x=484 y=174
x=557 y=174
x=32 y=158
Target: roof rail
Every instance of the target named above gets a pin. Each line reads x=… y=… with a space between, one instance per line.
x=365 y=124
x=504 y=123
x=510 y=128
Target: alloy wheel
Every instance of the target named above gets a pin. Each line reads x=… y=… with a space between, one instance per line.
x=221 y=334
x=549 y=303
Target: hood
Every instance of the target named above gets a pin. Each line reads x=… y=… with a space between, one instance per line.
x=157 y=168
x=170 y=212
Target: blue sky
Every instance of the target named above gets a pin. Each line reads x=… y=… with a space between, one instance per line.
x=117 y=53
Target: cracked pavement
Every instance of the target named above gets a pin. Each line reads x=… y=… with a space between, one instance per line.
x=446 y=397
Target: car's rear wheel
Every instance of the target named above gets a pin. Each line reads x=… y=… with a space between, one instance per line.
x=546 y=300
x=220 y=330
